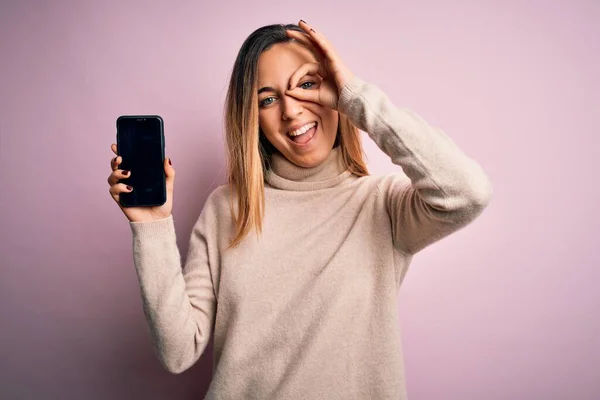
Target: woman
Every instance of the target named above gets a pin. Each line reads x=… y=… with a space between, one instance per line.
x=295 y=266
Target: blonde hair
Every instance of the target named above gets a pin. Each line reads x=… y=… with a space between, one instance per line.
x=248 y=151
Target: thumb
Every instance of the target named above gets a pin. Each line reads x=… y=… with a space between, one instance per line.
x=306 y=95
x=170 y=173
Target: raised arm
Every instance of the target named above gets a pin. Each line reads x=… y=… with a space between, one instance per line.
x=446 y=189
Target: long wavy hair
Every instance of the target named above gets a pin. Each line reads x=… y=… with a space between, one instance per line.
x=249 y=151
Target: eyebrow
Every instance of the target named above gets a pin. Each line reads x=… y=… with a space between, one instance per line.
x=265 y=89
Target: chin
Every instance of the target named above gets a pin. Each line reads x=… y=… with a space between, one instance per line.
x=311 y=160
x=313 y=154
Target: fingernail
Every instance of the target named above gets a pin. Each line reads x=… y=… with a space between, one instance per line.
x=303 y=21
x=170 y=163
x=129 y=187
x=125 y=172
x=115 y=159
x=312 y=30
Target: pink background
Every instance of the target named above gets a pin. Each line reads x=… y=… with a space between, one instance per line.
x=505 y=309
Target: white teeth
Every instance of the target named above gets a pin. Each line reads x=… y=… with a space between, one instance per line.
x=302 y=130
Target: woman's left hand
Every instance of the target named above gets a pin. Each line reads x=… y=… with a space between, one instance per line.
x=330 y=69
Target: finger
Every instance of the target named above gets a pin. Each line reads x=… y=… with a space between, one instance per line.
x=114 y=177
x=113 y=147
x=114 y=163
x=306 y=40
x=301 y=37
x=170 y=174
x=117 y=189
x=305 y=95
x=305 y=69
x=323 y=43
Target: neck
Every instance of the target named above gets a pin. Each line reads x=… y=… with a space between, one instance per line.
x=284 y=174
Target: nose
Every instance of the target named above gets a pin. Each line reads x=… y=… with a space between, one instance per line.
x=292 y=108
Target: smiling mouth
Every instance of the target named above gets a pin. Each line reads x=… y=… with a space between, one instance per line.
x=304 y=136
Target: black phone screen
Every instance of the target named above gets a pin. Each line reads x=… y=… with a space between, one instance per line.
x=140 y=143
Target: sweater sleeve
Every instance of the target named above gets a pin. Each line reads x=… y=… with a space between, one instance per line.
x=446 y=189
x=179 y=304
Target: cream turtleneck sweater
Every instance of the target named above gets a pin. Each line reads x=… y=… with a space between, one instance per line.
x=308 y=310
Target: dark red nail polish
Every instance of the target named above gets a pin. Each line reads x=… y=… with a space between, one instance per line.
x=170 y=163
x=303 y=21
x=129 y=187
x=125 y=172
x=312 y=30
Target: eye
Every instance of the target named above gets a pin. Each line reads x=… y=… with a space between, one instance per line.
x=304 y=85
x=267 y=101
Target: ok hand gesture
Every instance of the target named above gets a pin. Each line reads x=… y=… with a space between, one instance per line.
x=329 y=69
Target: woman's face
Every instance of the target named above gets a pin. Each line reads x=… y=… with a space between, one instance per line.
x=285 y=120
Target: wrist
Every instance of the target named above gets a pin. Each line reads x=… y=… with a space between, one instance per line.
x=343 y=80
x=153 y=228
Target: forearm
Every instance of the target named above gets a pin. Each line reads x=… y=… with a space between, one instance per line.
x=442 y=174
x=175 y=326
x=447 y=189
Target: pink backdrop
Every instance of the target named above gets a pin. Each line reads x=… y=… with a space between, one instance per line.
x=505 y=309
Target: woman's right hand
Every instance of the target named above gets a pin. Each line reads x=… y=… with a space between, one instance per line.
x=139 y=214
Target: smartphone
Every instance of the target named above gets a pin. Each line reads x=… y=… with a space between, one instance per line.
x=141 y=145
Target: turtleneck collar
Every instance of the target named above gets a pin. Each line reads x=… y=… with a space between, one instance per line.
x=288 y=176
